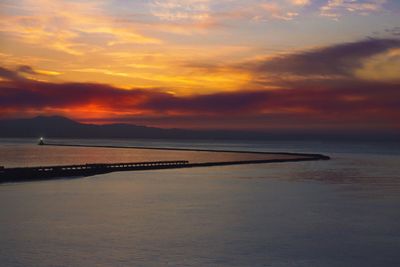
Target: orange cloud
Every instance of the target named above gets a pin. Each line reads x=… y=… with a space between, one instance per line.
x=70 y=27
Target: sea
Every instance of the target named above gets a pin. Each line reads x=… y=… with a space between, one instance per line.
x=340 y=212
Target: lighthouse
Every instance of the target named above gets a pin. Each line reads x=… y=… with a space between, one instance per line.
x=41 y=141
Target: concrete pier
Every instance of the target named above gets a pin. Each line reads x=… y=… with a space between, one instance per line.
x=65 y=171
x=52 y=172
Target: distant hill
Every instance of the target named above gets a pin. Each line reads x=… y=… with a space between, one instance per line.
x=61 y=127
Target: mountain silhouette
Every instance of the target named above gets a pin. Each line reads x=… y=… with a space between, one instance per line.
x=62 y=127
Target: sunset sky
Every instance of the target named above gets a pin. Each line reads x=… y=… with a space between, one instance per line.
x=331 y=65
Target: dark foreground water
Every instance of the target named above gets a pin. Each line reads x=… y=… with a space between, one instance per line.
x=343 y=212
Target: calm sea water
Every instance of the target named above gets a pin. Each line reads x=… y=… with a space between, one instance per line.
x=342 y=212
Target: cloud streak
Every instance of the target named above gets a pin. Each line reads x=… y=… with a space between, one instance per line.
x=336 y=8
x=341 y=59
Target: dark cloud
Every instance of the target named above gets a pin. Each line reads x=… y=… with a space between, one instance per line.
x=362 y=97
x=9 y=74
x=224 y=103
x=34 y=94
x=339 y=59
x=26 y=69
x=17 y=74
x=395 y=31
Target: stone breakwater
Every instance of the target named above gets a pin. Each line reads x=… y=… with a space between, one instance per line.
x=69 y=171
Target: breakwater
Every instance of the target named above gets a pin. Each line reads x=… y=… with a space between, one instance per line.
x=320 y=156
x=51 y=172
x=21 y=174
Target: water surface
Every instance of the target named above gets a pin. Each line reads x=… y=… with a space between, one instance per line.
x=342 y=212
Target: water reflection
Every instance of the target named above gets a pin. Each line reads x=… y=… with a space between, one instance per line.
x=23 y=155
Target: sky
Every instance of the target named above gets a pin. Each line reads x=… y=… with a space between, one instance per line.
x=267 y=65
